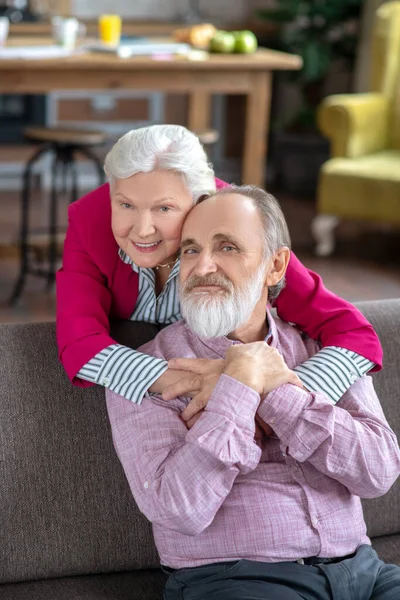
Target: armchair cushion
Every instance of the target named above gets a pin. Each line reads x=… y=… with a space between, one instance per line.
x=367 y=186
x=356 y=124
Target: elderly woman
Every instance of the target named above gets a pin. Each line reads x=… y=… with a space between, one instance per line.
x=121 y=261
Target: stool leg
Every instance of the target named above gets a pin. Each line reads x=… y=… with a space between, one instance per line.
x=74 y=180
x=24 y=225
x=99 y=167
x=52 y=257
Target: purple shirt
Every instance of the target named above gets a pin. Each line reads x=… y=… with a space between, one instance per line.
x=212 y=494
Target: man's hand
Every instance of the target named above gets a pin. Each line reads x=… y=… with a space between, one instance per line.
x=259 y=366
x=205 y=373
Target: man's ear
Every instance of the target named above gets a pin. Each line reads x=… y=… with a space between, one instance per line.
x=278 y=266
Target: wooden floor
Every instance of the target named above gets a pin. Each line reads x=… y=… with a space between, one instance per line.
x=366 y=264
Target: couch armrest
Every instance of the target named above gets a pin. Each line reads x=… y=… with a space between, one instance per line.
x=356 y=124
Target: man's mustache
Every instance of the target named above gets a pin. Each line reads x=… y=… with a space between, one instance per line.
x=212 y=279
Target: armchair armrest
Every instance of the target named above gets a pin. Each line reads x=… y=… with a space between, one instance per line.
x=356 y=124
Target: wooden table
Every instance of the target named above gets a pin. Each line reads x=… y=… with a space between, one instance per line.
x=250 y=75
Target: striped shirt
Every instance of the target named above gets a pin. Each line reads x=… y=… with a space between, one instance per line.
x=130 y=373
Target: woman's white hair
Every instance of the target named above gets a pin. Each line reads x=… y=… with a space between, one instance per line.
x=165 y=147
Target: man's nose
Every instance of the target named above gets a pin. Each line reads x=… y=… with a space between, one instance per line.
x=205 y=264
x=145 y=226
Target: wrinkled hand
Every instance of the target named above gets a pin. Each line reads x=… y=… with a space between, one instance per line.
x=205 y=373
x=175 y=379
x=259 y=366
x=264 y=427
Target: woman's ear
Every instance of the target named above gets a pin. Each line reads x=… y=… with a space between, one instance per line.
x=278 y=266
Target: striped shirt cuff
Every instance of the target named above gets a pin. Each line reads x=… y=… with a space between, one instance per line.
x=332 y=371
x=126 y=372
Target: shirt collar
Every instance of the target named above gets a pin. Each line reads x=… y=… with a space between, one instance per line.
x=128 y=261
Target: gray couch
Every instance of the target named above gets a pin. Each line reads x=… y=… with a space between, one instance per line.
x=69 y=528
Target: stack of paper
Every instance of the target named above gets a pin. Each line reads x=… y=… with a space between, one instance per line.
x=34 y=52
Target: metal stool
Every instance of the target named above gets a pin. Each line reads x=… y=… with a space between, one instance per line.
x=63 y=144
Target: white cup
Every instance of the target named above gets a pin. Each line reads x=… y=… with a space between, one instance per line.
x=4 y=27
x=66 y=31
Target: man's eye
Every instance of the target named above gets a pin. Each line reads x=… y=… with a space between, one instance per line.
x=126 y=205
x=228 y=248
x=164 y=209
x=190 y=251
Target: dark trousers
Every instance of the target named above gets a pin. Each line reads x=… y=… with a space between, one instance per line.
x=362 y=577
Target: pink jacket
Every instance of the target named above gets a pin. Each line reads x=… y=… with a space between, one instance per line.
x=94 y=285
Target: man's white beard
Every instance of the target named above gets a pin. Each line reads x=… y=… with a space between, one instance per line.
x=218 y=314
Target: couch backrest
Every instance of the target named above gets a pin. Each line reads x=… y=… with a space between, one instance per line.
x=383 y=514
x=65 y=506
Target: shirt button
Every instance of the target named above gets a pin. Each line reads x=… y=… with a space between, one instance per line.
x=353 y=377
x=272 y=421
x=146 y=485
x=314 y=521
x=106 y=382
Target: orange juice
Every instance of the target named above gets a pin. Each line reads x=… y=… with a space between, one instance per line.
x=110 y=29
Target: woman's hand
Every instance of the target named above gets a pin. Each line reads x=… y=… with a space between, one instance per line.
x=202 y=376
x=177 y=380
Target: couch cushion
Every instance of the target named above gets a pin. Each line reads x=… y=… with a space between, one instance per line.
x=388 y=548
x=138 y=585
x=67 y=508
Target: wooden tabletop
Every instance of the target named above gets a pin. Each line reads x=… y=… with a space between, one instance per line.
x=261 y=60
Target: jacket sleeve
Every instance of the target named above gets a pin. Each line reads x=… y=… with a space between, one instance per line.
x=324 y=316
x=83 y=305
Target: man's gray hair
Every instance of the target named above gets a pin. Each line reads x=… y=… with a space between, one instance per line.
x=276 y=232
x=165 y=147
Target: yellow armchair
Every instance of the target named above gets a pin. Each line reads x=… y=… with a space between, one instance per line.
x=362 y=179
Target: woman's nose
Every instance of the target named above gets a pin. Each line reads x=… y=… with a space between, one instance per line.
x=145 y=226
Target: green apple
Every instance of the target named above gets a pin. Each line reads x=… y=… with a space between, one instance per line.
x=223 y=41
x=245 y=42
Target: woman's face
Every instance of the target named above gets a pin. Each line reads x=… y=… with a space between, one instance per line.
x=148 y=211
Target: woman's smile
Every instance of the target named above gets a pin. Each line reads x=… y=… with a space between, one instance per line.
x=146 y=248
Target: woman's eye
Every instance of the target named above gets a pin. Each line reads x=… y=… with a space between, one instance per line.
x=126 y=205
x=228 y=248
x=164 y=209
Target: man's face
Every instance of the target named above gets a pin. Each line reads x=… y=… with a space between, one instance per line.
x=223 y=273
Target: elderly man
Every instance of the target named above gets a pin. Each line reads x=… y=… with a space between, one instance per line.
x=236 y=517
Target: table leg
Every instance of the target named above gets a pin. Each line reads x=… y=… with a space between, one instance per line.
x=256 y=129
x=199 y=117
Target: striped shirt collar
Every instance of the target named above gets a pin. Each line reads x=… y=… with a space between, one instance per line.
x=128 y=261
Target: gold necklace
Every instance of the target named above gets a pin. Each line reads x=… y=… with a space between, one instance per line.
x=169 y=265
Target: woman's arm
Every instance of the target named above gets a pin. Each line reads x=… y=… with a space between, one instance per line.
x=83 y=303
x=350 y=345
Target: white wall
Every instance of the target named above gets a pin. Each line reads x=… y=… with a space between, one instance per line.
x=215 y=10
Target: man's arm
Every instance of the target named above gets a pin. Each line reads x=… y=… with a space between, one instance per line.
x=180 y=478
x=352 y=443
